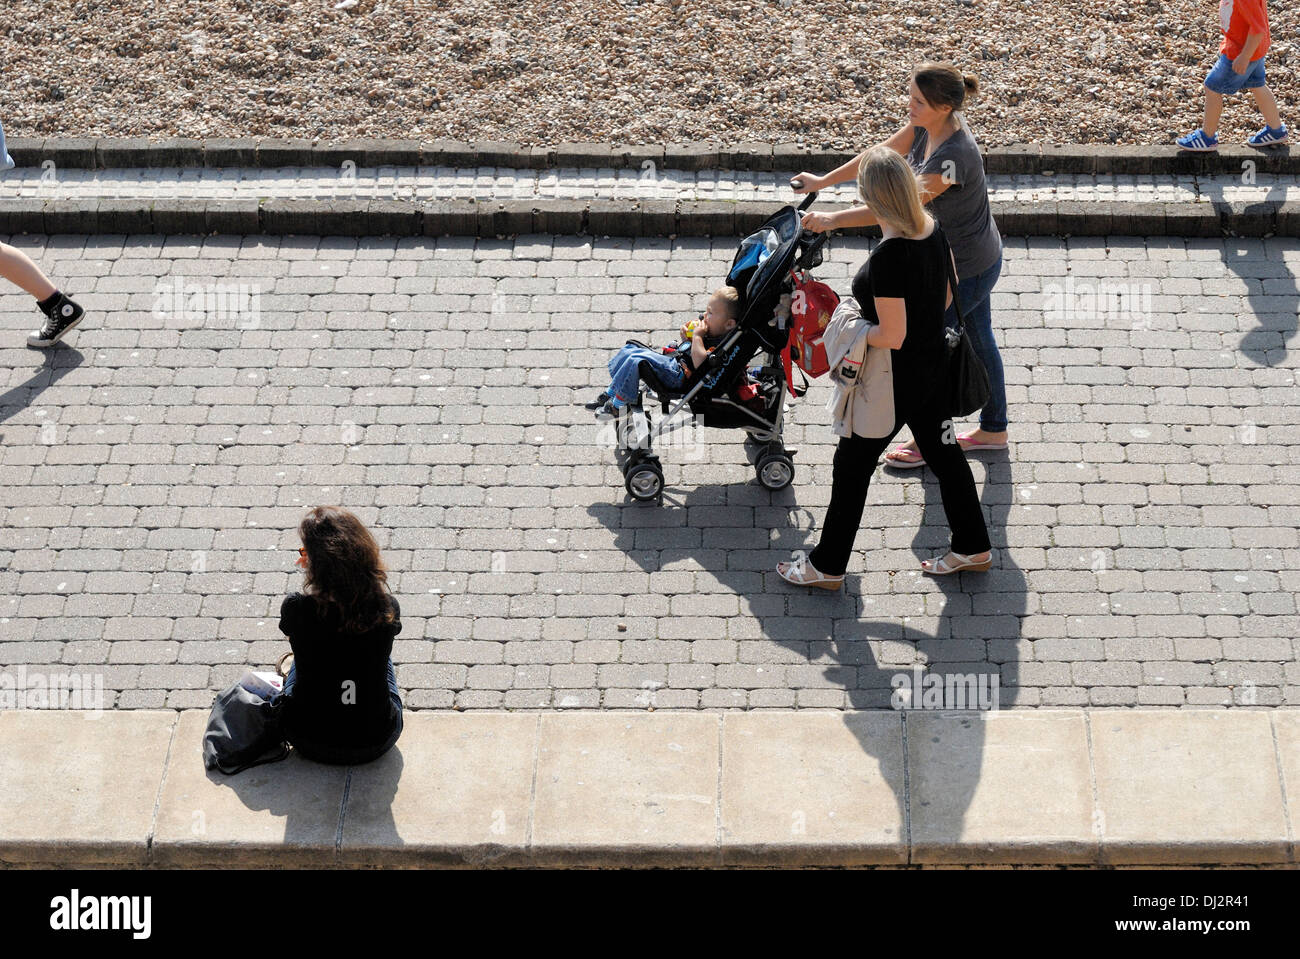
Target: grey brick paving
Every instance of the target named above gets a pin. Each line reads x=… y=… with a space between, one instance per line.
x=153 y=469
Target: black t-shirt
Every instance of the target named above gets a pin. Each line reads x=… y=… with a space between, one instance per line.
x=340 y=693
x=913 y=271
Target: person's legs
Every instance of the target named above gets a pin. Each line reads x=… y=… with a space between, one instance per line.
x=625 y=385
x=1267 y=104
x=961 y=502
x=617 y=360
x=17 y=267
x=62 y=313
x=979 y=323
x=1213 y=111
x=855 y=462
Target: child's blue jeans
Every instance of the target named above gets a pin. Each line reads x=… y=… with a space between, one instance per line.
x=625 y=375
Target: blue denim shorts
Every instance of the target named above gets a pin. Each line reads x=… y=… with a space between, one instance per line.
x=1223 y=79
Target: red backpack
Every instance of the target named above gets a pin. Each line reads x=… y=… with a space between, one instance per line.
x=810 y=310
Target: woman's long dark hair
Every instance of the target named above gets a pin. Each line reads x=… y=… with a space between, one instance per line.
x=345 y=575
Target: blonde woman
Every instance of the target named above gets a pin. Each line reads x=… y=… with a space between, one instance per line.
x=903 y=291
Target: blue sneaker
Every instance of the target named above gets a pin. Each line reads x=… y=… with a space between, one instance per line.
x=6 y=162
x=1198 y=141
x=1268 y=137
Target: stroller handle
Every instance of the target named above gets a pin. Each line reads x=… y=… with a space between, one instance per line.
x=808 y=200
x=810 y=252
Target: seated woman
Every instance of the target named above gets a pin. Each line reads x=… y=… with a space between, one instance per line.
x=340 y=702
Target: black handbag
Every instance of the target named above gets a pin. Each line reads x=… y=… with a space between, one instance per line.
x=968 y=381
x=243 y=730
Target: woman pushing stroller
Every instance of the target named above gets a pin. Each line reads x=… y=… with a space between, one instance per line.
x=903 y=291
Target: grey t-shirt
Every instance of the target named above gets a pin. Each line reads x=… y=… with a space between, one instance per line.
x=962 y=209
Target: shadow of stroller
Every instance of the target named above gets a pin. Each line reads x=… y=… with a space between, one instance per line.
x=58 y=362
x=1273 y=296
x=962 y=624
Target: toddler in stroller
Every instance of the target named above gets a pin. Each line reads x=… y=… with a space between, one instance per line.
x=671 y=365
x=751 y=316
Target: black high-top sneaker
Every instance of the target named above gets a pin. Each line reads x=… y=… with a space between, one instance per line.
x=61 y=315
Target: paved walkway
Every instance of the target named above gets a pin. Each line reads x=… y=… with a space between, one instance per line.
x=445 y=183
x=152 y=472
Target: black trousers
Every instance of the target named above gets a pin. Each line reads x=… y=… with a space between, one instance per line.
x=856 y=459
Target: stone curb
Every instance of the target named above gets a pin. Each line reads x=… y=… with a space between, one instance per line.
x=107 y=153
x=648 y=218
x=1093 y=787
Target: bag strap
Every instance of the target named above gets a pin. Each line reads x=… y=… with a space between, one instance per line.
x=787 y=365
x=952 y=281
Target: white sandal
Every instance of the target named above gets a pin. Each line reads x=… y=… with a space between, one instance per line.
x=939 y=566
x=803 y=573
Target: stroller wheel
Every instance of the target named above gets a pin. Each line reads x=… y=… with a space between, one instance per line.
x=775 y=470
x=645 y=480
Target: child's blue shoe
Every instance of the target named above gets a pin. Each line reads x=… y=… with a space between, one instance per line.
x=1199 y=141
x=1268 y=137
x=6 y=162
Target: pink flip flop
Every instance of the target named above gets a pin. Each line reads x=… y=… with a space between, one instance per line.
x=893 y=458
x=969 y=446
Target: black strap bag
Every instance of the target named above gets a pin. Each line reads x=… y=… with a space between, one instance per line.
x=968 y=381
x=243 y=730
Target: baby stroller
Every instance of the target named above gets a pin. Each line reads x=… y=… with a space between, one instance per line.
x=725 y=392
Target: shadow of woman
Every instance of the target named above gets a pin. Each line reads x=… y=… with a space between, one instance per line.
x=57 y=363
x=1272 y=296
x=964 y=662
x=974 y=626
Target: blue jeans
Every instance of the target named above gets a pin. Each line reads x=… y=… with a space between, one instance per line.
x=624 y=371
x=1227 y=81
x=976 y=294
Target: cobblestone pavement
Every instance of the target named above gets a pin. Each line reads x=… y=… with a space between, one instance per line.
x=430 y=183
x=153 y=469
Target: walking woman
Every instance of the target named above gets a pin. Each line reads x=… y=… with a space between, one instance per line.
x=903 y=290
x=939 y=146
x=340 y=700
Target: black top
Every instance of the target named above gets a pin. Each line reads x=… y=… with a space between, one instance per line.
x=913 y=271
x=340 y=693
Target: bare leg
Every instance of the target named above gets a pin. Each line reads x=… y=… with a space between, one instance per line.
x=1213 y=110
x=17 y=267
x=1267 y=104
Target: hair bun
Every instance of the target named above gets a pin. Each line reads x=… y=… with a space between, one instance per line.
x=971 y=83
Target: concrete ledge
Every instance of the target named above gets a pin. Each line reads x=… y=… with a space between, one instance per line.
x=108 y=152
x=671 y=788
x=600 y=217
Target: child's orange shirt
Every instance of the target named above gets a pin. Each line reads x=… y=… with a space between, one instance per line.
x=1238 y=19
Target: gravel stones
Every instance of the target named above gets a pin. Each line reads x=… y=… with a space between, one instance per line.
x=824 y=73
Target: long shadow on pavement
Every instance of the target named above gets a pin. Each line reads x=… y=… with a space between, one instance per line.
x=975 y=627
x=58 y=362
x=1272 y=295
